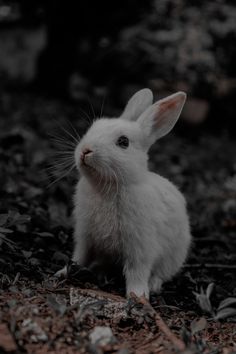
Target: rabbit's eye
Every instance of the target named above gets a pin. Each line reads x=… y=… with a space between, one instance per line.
x=123 y=142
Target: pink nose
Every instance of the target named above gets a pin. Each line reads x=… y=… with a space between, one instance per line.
x=85 y=152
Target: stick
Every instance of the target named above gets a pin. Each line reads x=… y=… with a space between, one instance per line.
x=101 y=294
x=178 y=343
x=209 y=265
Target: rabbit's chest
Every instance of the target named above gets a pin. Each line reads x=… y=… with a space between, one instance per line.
x=105 y=221
x=111 y=221
x=113 y=217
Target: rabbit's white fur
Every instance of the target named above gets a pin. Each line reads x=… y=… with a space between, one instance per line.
x=125 y=215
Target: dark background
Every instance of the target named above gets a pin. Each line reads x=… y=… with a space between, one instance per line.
x=110 y=49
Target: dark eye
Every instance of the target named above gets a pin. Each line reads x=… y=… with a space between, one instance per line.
x=123 y=142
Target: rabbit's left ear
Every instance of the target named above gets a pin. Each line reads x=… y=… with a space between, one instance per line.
x=137 y=104
x=160 y=118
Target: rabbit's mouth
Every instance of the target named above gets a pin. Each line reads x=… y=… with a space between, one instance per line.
x=85 y=166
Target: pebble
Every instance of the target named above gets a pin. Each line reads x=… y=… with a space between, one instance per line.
x=102 y=336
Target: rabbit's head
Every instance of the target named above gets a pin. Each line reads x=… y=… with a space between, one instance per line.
x=115 y=149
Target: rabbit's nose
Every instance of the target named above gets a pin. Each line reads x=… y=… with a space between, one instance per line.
x=85 y=152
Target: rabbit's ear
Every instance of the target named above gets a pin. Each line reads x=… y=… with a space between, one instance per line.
x=137 y=104
x=160 y=118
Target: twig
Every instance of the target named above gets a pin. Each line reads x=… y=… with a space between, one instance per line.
x=168 y=307
x=209 y=265
x=56 y=290
x=16 y=278
x=148 y=342
x=178 y=343
x=100 y=294
x=89 y=293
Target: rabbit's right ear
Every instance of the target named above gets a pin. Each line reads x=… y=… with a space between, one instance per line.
x=160 y=118
x=137 y=104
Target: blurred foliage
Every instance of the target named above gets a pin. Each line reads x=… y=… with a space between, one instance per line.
x=187 y=42
x=112 y=49
x=169 y=40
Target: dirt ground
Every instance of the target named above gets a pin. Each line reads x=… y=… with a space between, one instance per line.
x=196 y=311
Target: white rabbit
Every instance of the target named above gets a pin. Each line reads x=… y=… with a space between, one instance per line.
x=124 y=214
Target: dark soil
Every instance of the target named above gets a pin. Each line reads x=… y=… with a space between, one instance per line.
x=40 y=314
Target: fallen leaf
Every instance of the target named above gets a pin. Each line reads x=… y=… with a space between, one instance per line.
x=198 y=325
x=203 y=299
x=209 y=290
x=225 y=312
x=227 y=302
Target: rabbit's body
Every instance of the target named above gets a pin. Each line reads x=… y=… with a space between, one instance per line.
x=110 y=234
x=124 y=214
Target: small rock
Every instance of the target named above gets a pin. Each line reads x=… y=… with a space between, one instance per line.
x=123 y=351
x=37 y=334
x=102 y=336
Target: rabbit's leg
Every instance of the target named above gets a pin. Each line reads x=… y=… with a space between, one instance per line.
x=137 y=276
x=80 y=250
x=79 y=256
x=155 y=284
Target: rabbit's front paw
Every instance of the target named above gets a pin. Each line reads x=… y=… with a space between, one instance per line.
x=137 y=281
x=62 y=273
x=138 y=289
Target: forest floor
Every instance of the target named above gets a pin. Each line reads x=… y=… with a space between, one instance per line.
x=39 y=314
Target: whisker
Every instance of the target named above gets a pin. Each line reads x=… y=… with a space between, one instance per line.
x=63 y=158
x=67 y=132
x=110 y=179
x=62 y=165
x=110 y=185
x=103 y=102
x=64 y=154
x=100 y=181
x=62 y=176
x=62 y=161
x=117 y=184
x=59 y=167
x=106 y=176
x=101 y=178
x=93 y=112
x=60 y=150
x=86 y=115
x=121 y=177
x=74 y=130
x=63 y=141
x=72 y=136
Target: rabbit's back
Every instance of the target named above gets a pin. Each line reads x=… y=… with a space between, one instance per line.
x=172 y=226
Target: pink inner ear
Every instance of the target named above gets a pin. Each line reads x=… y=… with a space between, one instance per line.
x=169 y=104
x=163 y=111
